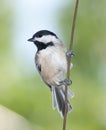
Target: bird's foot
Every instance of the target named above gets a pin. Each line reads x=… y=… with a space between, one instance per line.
x=66 y=82
x=70 y=53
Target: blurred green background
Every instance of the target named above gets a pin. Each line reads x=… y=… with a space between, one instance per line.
x=26 y=94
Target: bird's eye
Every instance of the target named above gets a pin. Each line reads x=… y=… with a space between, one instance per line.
x=39 y=36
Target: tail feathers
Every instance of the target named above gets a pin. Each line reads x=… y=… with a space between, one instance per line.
x=70 y=94
x=54 y=103
x=58 y=100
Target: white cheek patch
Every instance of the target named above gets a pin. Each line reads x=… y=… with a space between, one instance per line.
x=47 y=38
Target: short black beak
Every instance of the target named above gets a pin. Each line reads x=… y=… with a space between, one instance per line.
x=31 y=40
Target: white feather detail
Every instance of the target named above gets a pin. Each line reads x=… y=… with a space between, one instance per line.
x=70 y=94
x=54 y=103
x=47 y=38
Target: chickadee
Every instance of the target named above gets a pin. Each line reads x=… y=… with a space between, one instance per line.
x=51 y=62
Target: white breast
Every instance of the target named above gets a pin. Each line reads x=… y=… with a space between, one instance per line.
x=53 y=64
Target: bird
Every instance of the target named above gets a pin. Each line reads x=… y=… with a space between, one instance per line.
x=51 y=63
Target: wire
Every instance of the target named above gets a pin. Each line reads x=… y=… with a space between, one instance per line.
x=69 y=62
